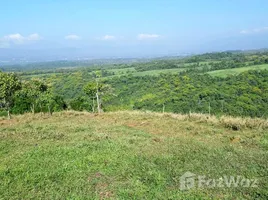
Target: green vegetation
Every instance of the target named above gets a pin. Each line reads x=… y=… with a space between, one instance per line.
x=27 y=96
x=9 y=84
x=129 y=155
x=236 y=71
x=242 y=95
x=230 y=83
x=158 y=72
x=49 y=153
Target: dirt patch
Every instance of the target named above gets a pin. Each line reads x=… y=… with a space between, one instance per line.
x=101 y=185
x=132 y=125
x=156 y=140
x=7 y=122
x=235 y=139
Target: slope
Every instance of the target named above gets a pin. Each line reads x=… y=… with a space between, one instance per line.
x=129 y=155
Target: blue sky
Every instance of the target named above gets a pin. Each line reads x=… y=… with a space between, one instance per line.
x=140 y=27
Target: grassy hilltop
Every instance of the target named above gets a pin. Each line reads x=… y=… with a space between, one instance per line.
x=129 y=155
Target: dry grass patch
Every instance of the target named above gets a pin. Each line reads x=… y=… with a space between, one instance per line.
x=235 y=123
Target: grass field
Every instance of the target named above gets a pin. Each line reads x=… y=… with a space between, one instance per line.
x=129 y=155
x=118 y=72
x=132 y=71
x=235 y=71
x=220 y=73
x=122 y=71
x=158 y=72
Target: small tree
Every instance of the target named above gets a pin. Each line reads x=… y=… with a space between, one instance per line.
x=91 y=90
x=96 y=90
x=9 y=84
x=47 y=102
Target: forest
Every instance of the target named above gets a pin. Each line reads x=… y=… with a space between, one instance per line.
x=177 y=85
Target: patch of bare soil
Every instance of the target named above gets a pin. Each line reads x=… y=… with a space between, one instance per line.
x=6 y=122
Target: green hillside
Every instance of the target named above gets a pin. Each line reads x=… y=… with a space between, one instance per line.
x=130 y=155
x=236 y=71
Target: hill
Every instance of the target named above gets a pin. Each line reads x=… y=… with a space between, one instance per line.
x=131 y=155
x=220 y=83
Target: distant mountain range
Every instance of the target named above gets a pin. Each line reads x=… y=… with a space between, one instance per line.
x=68 y=55
x=22 y=56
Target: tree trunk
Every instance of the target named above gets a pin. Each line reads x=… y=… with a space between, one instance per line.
x=33 y=109
x=8 y=114
x=209 y=108
x=49 y=110
x=7 y=107
x=98 y=102
x=41 y=110
x=93 y=106
x=97 y=95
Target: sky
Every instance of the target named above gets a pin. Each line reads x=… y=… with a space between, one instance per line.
x=133 y=27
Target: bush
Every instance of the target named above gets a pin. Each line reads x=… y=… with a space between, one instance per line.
x=3 y=113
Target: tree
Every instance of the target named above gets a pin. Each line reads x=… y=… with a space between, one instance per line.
x=80 y=103
x=46 y=102
x=36 y=96
x=91 y=89
x=9 y=84
x=96 y=90
x=33 y=90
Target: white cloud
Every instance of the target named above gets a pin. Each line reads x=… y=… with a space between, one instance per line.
x=72 y=37
x=255 y=30
x=16 y=38
x=34 y=37
x=19 y=39
x=108 y=37
x=147 y=36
